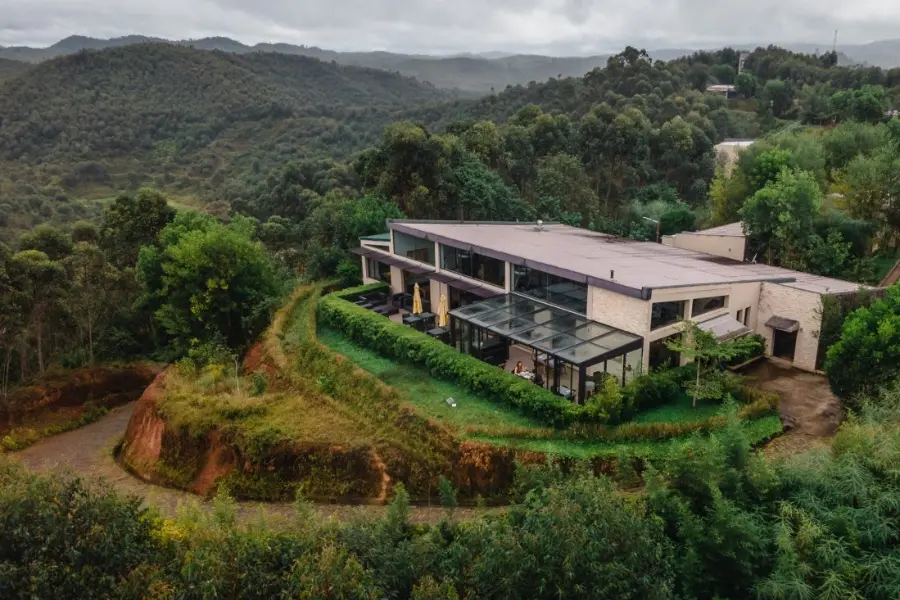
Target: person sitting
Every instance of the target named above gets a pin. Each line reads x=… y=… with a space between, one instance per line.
x=520 y=368
x=538 y=379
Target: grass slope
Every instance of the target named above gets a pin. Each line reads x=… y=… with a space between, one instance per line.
x=475 y=417
x=426 y=394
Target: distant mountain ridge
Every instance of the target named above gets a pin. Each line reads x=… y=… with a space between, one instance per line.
x=469 y=72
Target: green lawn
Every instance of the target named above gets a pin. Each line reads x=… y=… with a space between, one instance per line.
x=758 y=431
x=427 y=394
x=681 y=412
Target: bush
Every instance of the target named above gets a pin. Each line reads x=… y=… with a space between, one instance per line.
x=443 y=362
x=656 y=388
x=609 y=404
x=64 y=539
x=867 y=355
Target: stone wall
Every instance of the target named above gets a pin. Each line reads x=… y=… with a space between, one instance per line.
x=799 y=305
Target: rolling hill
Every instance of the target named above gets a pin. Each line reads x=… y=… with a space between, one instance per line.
x=474 y=73
x=11 y=68
x=92 y=124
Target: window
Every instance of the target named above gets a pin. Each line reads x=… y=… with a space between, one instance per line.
x=414 y=248
x=551 y=288
x=666 y=313
x=378 y=270
x=740 y=316
x=471 y=264
x=660 y=357
x=746 y=320
x=701 y=306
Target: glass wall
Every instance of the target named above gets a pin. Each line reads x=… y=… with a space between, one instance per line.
x=378 y=270
x=702 y=306
x=666 y=313
x=551 y=288
x=472 y=264
x=414 y=248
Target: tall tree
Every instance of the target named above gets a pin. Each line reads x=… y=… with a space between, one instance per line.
x=781 y=216
x=96 y=289
x=44 y=282
x=132 y=222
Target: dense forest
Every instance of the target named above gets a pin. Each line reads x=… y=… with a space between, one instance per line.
x=297 y=158
x=83 y=128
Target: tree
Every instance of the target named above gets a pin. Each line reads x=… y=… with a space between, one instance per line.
x=867 y=354
x=133 y=222
x=208 y=281
x=781 y=216
x=708 y=354
x=12 y=314
x=85 y=231
x=561 y=177
x=44 y=282
x=746 y=85
x=47 y=239
x=96 y=290
x=778 y=95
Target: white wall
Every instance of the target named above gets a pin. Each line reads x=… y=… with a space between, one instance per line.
x=799 y=305
x=634 y=315
x=728 y=246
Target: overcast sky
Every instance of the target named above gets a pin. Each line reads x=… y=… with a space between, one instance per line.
x=559 y=27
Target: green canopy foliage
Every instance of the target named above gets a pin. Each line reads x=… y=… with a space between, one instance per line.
x=208 y=281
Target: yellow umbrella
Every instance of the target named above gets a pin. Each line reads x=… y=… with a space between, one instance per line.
x=443 y=317
x=417 y=300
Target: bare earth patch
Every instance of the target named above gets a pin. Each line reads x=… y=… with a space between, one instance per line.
x=810 y=412
x=87 y=452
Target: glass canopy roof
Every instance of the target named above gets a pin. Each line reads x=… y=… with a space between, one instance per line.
x=569 y=337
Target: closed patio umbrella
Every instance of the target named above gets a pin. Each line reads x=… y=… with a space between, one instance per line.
x=443 y=316
x=417 y=300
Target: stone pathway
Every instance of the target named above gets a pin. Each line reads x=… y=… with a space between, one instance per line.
x=87 y=452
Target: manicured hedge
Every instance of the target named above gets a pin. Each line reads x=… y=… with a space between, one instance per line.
x=442 y=361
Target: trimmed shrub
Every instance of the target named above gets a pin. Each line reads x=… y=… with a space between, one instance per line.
x=443 y=362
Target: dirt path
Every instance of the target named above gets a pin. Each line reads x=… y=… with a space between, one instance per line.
x=87 y=452
x=811 y=413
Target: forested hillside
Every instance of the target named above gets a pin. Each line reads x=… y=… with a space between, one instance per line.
x=11 y=68
x=92 y=124
x=472 y=73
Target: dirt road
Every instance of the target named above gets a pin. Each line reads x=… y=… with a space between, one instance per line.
x=87 y=452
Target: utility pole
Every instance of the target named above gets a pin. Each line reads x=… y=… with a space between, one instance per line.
x=834 y=43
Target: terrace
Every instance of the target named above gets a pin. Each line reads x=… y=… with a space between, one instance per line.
x=570 y=353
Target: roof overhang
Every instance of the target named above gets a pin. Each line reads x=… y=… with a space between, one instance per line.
x=724 y=327
x=783 y=324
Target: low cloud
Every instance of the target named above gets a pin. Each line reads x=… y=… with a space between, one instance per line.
x=445 y=26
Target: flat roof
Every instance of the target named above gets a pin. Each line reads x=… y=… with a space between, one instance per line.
x=378 y=237
x=626 y=266
x=730 y=230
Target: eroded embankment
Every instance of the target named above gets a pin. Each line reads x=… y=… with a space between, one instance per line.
x=323 y=425
x=69 y=391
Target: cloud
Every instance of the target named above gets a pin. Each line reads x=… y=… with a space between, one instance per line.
x=442 y=26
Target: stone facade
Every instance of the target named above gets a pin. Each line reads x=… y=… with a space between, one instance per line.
x=799 y=305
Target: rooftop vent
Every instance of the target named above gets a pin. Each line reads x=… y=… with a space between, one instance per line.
x=539 y=226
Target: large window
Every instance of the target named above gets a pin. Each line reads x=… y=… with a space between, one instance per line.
x=471 y=264
x=701 y=306
x=666 y=313
x=378 y=270
x=414 y=248
x=551 y=288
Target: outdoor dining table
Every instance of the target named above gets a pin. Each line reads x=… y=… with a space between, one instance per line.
x=526 y=375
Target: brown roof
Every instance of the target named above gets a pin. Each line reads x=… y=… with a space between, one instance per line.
x=611 y=261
